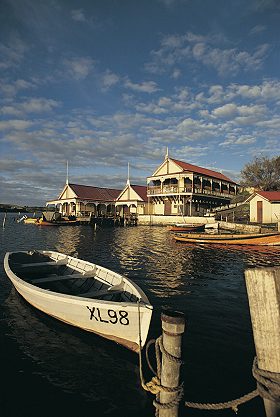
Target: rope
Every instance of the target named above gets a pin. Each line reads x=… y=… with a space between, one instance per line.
x=154 y=386
x=268 y=383
x=268 y=386
x=222 y=406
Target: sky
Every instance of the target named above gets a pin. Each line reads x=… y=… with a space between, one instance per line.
x=107 y=83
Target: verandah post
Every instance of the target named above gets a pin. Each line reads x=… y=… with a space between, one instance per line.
x=173 y=326
x=263 y=288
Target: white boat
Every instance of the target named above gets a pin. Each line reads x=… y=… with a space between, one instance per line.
x=82 y=294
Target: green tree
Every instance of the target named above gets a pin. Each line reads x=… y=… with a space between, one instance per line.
x=262 y=173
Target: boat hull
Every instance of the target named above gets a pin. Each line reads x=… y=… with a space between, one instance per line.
x=117 y=321
x=186 y=227
x=30 y=220
x=268 y=239
x=57 y=223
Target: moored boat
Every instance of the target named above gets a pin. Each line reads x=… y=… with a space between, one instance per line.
x=186 y=227
x=42 y=222
x=56 y=219
x=82 y=294
x=268 y=239
x=30 y=220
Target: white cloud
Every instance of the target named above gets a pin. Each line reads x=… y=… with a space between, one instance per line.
x=257 y=29
x=16 y=124
x=184 y=49
x=231 y=110
x=78 y=15
x=33 y=105
x=144 y=87
x=12 y=53
x=176 y=74
x=109 y=79
x=228 y=110
x=232 y=140
x=79 y=67
x=39 y=105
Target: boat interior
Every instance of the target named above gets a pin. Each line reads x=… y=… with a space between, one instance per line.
x=59 y=276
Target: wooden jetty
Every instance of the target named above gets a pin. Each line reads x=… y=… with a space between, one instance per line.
x=263 y=289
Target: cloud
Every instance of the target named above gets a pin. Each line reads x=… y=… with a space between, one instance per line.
x=11 y=89
x=79 y=67
x=233 y=140
x=78 y=15
x=228 y=111
x=210 y=51
x=109 y=79
x=15 y=124
x=231 y=110
x=229 y=61
x=193 y=129
x=144 y=87
x=257 y=29
x=12 y=53
x=32 y=105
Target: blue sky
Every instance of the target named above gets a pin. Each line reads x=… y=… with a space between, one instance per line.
x=103 y=83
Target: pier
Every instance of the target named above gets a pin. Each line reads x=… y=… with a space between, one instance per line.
x=263 y=289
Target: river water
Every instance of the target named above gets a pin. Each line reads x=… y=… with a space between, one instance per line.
x=49 y=369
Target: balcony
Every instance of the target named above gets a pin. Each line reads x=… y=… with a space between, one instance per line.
x=174 y=189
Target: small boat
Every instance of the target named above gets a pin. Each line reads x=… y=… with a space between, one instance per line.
x=212 y=225
x=56 y=219
x=42 y=222
x=187 y=227
x=30 y=220
x=268 y=239
x=82 y=294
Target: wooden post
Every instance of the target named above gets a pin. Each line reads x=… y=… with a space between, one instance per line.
x=263 y=288
x=173 y=326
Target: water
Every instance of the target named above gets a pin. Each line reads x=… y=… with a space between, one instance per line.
x=49 y=368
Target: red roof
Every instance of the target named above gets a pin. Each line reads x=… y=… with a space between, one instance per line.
x=141 y=190
x=198 y=170
x=270 y=195
x=86 y=192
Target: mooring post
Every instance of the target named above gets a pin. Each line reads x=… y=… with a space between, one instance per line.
x=173 y=326
x=263 y=288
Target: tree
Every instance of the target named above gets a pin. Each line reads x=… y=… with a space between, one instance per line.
x=263 y=174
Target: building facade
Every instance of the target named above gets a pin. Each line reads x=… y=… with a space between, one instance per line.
x=84 y=200
x=179 y=188
x=132 y=200
x=264 y=207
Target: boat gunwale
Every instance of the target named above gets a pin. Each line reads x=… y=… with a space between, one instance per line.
x=143 y=301
x=240 y=236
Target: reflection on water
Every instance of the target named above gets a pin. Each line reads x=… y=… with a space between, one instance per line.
x=205 y=282
x=75 y=362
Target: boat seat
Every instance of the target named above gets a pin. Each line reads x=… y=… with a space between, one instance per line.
x=42 y=264
x=98 y=294
x=55 y=278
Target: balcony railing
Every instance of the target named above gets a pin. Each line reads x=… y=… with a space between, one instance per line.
x=174 y=189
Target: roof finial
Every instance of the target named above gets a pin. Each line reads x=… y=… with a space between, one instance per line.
x=166 y=155
x=128 y=181
x=67 y=176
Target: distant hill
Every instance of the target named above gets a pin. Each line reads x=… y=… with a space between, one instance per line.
x=10 y=208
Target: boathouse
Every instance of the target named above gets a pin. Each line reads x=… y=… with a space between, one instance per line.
x=180 y=188
x=132 y=200
x=84 y=200
x=264 y=207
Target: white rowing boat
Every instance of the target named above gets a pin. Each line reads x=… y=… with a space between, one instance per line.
x=82 y=294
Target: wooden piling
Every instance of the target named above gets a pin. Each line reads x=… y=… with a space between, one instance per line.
x=173 y=326
x=263 y=288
